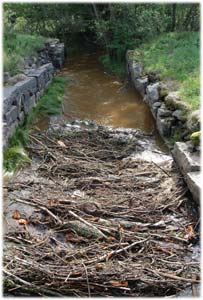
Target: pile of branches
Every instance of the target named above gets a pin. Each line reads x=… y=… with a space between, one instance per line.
x=102 y=224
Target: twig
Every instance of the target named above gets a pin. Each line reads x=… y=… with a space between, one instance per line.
x=161 y=169
x=88 y=285
x=115 y=252
x=192 y=280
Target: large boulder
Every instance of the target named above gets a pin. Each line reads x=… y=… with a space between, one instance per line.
x=174 y=102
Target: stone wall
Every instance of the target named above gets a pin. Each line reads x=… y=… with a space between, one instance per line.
x=171 y=116
x=22 y=92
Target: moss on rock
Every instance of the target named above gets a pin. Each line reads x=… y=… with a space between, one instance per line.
x=195 y=138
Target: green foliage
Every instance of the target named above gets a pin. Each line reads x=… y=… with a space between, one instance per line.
x=20 y=137
x=113 y=66
x=50 y=103
x=17 y=47
x=177 y=57
x=115 y=27
x=14 y=158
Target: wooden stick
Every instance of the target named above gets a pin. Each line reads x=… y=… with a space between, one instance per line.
x=108 y=255
x=192 y=280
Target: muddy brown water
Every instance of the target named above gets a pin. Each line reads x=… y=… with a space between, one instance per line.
x=96 y=95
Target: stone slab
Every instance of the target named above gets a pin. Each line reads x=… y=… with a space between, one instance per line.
x=193 y=180
x=187 y=161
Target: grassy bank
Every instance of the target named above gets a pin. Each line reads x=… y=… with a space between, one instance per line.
x=176 y=56
x=17 y=47
x=49 y=105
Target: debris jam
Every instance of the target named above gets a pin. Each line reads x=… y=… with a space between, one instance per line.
x=100 y=212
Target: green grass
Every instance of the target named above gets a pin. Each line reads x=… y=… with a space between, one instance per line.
x=176 y=56
x=50 y=104
x=17 y=47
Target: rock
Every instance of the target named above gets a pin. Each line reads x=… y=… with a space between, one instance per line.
x=19 y=77
x=164 y=125
x=163 y=93
x=193 y=123
x=179 y=114
x=174 y=102
x=10 y=94
x=136 y=70
x=195 y=138
x=155 y=107
x=187 y=161
x=11 y=115
x=163 y=111
x=152 y=93
x=28 y=103
x=193 y=180
x=141 y=84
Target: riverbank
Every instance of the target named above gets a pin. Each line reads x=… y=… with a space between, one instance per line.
x=175 y=57
x=175 y=119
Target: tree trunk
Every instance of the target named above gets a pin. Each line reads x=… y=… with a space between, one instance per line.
x=173 y=17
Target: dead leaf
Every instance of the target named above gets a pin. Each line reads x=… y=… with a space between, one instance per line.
x=111 y=239
x=51 y=202
x=99 y=267
x=60 y=143
x=16 y=215
x=76 y=273
x=118 y=284
x=75 y=239
x=190 y=233
x=108 y=256
x=23 y=222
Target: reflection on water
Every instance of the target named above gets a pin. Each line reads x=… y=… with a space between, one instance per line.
x=96 y=95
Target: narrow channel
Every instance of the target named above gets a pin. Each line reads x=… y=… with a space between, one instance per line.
x=96 y=95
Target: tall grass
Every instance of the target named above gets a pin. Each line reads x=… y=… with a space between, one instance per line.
x=17 y=47
x=176 y=56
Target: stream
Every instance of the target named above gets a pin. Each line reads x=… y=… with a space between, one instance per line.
x=96 y=95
